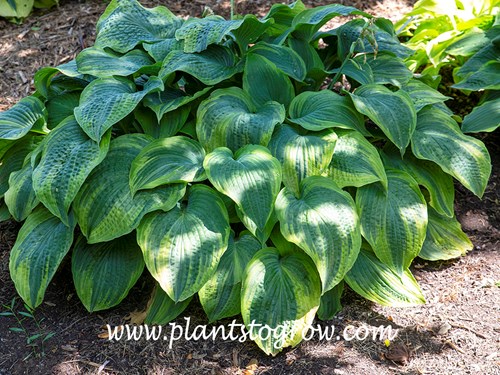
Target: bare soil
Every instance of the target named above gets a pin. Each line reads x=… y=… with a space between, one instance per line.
x=456 y=332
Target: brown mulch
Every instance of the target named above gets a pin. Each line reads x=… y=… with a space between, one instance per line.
x=456 y=332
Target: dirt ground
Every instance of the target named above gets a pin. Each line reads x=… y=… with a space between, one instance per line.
x=456 y=332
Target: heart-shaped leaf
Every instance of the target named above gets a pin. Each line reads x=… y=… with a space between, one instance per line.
x=17 y=121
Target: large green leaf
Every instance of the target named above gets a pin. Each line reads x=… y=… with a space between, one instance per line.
x=439 y=139
x=423 y=95
x=445 y=238
x=169 y=125
x=182 y=247
x=221 y=295
x=16 y=8
x=302 y=156
x=166 y=161
x=484 y=118
x=61 y=106
x=377 y=282
x=486 y=78
x=393 y=221
x=68 y=156
x=162 y=309
x=21 y=198
x=386 y=68
x=284 y=58
x=324 y=223
x=99 y=63
x=104 y=273
x=105 y=207
x=427 y=174
x=228 y=118
x=160 y=50
x=211 y=66
x=325 y=109
x=106 y=101
x=251 y=178
x=41 y=245
x=283 y=16
x=17 y=121
x=356 y=161
x=126 y=23
x=264 y=82
x=43 y=77
x=330 y=302
x=392 y=111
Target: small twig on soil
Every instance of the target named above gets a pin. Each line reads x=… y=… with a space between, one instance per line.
x=453 y=346
x=469 y=329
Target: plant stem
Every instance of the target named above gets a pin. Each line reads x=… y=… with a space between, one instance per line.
x=233 y=5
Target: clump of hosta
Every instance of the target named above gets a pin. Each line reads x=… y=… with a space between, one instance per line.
x=229 y=160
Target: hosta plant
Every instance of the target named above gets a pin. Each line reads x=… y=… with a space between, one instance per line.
x=258 y=163
x=16 y=10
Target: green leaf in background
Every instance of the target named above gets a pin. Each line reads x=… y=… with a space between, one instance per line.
x=282 y=292
x=160 y=50
x=302 y=156
x=445 y=238
x=228 y=118
x=423 y=95
x=41 y=245
x=427 y=174
x=392 y=111
x=439 y=139
x=16 y=8
x=4 y=212
x=250 y=30
x=283 y=15
x=182 y=247
x=106 y=101
x=104 y=273
x=43 y=77
x=162 y=309
x=101 y=64
x=285 y=59
x=486 y=78
x=170 y=99
x=20 y=198
x=68 y=156
x=355 y=162
x=221 y=295
x=264 y=82
x=386 y=68
x=60 y=107
x=169 y=125
x=166 y=161
x=377 y=282
x=212 y=66
x=105 y=207
x=126 y=23
x=251 y=178
x=393 y=221
x=330 y=302
x=325 y=109
x=323 y=221
x=483 y=118
x=17 y=121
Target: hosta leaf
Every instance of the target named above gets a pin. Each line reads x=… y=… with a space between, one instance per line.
x=325 y=109
x=487 y=54
x=104 y=273
x=126 y=23
x=251 y=178
x=484 y=118
x=284 y=58
x=4 y=212
x=308 y=22
x=20 y=198
x=17 y=121
x=445 y=238
x=228 y=118
x=166 y=161
x=162 y=309
x=99 y=63
x=393 y=221
x=439 y=139
x=423 y=95
x=281 y=292
x=324 y=223
x=392 y=111
x=169 y=125
x=377 y=282
x=106 y=101
x=41 y=245
x=43 y=77
x=283 y=16
x=264 y=82
x=250 y=30
x=387 y=69
x=68 y=156
x=486 y=78
x=356 y=161
x=170 y=99
x=160 y=50
x=182 y=247
x=221 y=295
x=16 y=8
x=330 y=302
x=61 y=106
x=212 y=66
x=105 y=207
x=302 y=156
x=427 y=174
